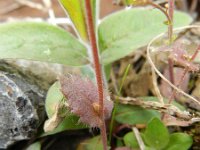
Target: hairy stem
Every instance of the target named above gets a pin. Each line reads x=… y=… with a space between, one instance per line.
x=92 y=37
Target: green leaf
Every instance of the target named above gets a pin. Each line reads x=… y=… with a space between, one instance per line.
x=130 y=114
x=107 y=70
x=95 y=10
x=91 y=144
x=40 y=42
x=76 y=13
x=69 y=123
x=88 y=71
x=35 y=146
x=119 y=143
x=130 y=140
x=53 y=98
x=179 y=141
x=149 y=148
x=156 y=134
x=125 y=31
x=128 y=2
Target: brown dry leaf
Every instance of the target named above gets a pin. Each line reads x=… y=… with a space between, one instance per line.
x=139 y=80
x=179 y=54
x=166 y=90
x=54 y=121
x=196 y=94
x=173 y=121
x=196 y=91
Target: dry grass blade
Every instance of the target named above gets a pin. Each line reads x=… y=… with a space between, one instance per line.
x=175 y=116
x=53 y=122
x=31 y=4
x=155 y=85
x=48 y=6
x=164 y=108
x=10 y=8
x=139 y=139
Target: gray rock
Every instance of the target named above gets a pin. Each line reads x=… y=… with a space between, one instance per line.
x=21 y=109
x=22 y=113
x=41 y=73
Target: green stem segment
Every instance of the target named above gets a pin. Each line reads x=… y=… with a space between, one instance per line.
x=117 y=101
x=171 y=15
x=92 y=38
x=170 y=37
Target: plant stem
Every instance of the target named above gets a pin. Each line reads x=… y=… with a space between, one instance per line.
x=171 y=70
x=171 y=15
x=170 y=37
x=118 y=92
x=183 y=75
x=92 y=37
x=170 y=31
x=161 y=9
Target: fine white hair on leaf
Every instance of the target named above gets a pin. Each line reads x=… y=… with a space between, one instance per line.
x=82 y=95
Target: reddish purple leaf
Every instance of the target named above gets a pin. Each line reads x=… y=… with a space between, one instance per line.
x=179 y=55
x=166 y=89
x=82 y=95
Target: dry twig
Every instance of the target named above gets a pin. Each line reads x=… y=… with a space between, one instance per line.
x=164 y=108
x=10 y=8
x=155 y=85
x=48 y=6
x=139 y=139
x=175 y=115
x=31 y=4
